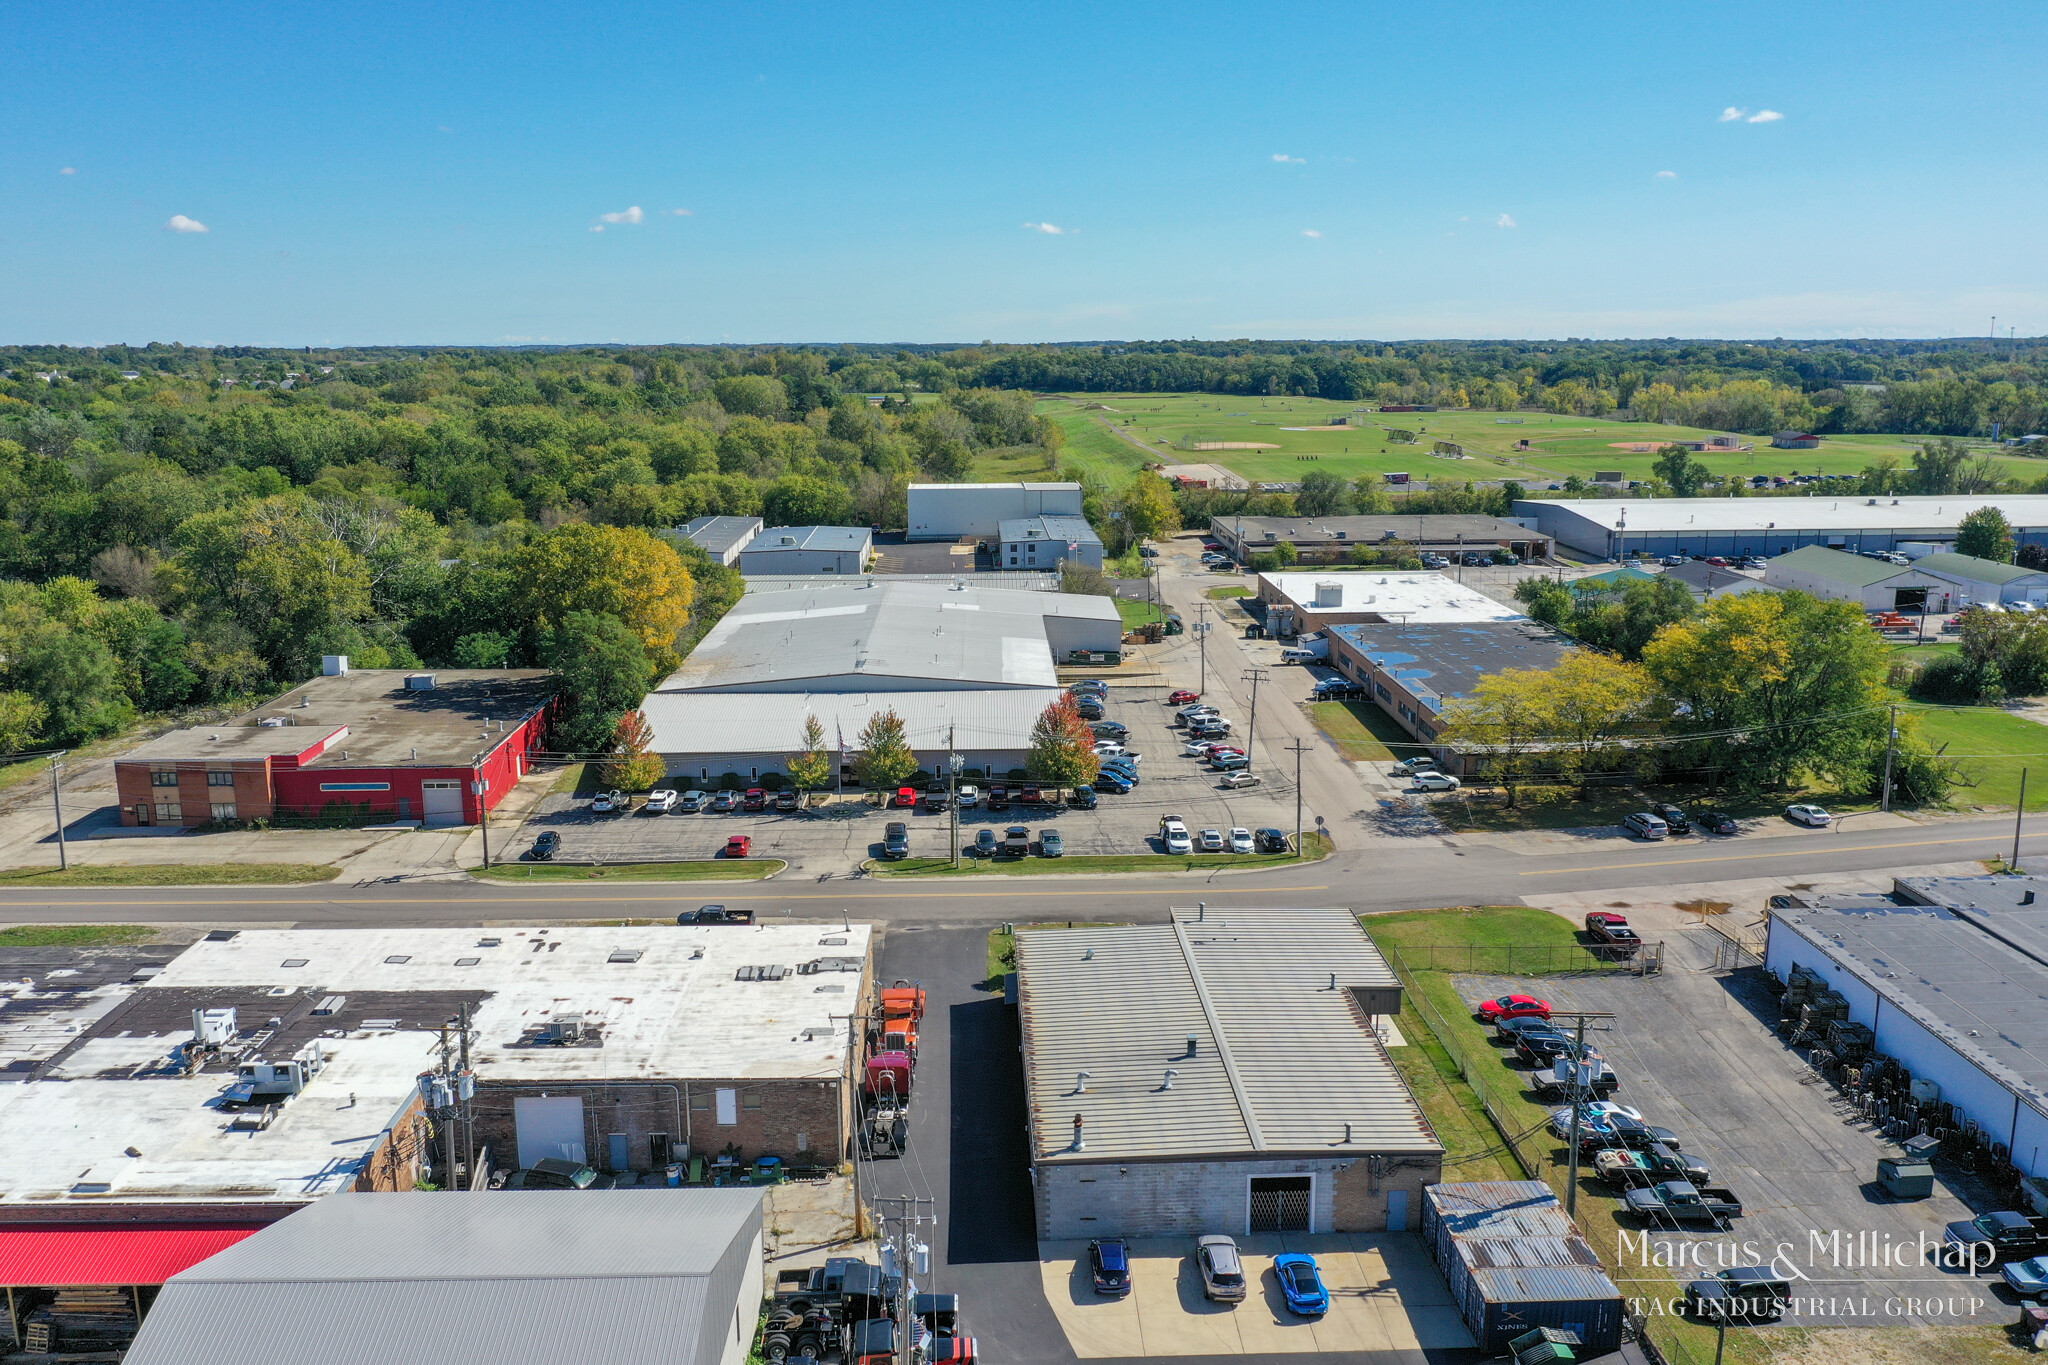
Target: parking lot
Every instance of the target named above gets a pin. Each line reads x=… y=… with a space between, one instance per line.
x=1385 y=1295
x=1695 y=1052
x=835 y=837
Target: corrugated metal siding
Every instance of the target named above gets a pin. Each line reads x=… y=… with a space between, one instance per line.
x=110 y=1255
x=1514 y=1260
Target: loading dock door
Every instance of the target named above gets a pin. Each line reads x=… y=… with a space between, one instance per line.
x=1280 y=1203
x=441 y=802
x=1909 y=599
x=548 y=1126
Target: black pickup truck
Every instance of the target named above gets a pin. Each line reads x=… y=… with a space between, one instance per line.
x=1995 y=1238
x=1680 y=1203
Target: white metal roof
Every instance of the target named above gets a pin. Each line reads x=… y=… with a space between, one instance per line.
x=1414 y=598
x=773 y=722
x=511 y=1277
x=1075 y=530
x=1282 y=1060
x=1758 y=514
x=808 y=538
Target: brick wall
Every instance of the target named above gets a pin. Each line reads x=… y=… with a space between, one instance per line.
x=799 y=1120
x=251 y=793
x=1361 y=1198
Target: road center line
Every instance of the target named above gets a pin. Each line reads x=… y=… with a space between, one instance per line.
x=7 y=903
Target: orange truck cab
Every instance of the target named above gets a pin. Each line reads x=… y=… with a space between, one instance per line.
x=902 y=1008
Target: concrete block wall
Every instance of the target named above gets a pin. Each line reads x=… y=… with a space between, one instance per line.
x=1159 y=1199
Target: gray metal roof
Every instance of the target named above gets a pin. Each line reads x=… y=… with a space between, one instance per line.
x=1282 y=1061
x=719 y=534
x=1435 y=529
x=1839 y=566
x=884 y=634
x=1439 y=662
x=843 y=538
x=507 y=1277
x=1949 y=565
x=1013 y=580
x=1074 y=530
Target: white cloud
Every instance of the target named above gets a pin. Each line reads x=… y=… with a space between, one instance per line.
x=1051 y=229
x=69 y=170
x=1287 y=160
x=1504 y=221
x=1310 y=232
x=1765 y=116
x=631 y=215
x=678 y=213
x=1666 y=175
x=180 y=223
x=1731 y=113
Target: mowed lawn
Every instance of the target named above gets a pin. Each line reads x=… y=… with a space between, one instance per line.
x=1991 y=747
x=1559 y=446
x=1363 y=732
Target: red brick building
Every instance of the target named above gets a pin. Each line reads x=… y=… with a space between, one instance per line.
x=389 y=743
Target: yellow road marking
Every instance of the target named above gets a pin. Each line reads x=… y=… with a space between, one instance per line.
x=8 y=902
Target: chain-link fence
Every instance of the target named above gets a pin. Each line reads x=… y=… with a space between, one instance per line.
x=1535 y=959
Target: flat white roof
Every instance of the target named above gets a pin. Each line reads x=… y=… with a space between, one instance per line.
x=1413 y=598
x=1681 y=515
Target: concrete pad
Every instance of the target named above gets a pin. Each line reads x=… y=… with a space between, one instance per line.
x=1264 y=1322
x=1198 y=1327
x=1097 y=1327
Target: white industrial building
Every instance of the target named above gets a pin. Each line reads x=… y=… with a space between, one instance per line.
x=1038 y=542
x=1951 y=976
x=1222 y=1072
x=722 y=537
x=808 y=550
x=1614 y=528
x=1873 y=584
x=961 y=665
x=1302 y=603
x=955 y=511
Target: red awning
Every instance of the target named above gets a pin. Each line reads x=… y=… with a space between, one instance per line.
x=110 y=1255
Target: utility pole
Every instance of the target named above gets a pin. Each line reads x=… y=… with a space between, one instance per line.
x=905 y=1221
x=860 y=1212
x=1202 y=639
x=57 y=800
x=2014 y=865
x=953 y=794
x=1253 y=675
x=1578 y=1092
x=482 y=787
x=1297 y=748
x=1891 y=745
x=446 y=1114
x=465 y=1093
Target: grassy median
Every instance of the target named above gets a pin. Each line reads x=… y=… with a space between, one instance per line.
x=173 y=874
x=74 y=935
x=709 y=870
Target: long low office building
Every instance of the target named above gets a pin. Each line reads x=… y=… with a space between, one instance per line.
x=1303 y=603
x=1412 y=672
x=1614 y=528
x=1332 y=539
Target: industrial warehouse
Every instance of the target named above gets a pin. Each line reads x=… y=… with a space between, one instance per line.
x=1332 y=539
x=958 y=511
x=1303 y=603
x=1194 y=1113
x=967 y=669
x=1616 y=528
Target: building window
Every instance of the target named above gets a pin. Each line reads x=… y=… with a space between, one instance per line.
x=223 y=810
x=163 y=778
x=167 y=811
x=751 y=1100
x=700 y=1103
x=217 y=779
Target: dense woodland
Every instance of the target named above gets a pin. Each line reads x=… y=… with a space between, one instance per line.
x=188 y=527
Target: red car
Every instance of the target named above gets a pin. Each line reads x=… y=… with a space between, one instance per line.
x=754 y=799
x=906 y=798
x=1514 y=1007
x=739 y=846
x=1183 y=697
x=1717 y=561
x=1212 y=546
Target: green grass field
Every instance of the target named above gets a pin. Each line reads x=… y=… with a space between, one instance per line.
x=1991 y=746
x=709 y=870
x=1559 y=446
x=1362 y=731
x=174 y=874
x=73 y=935
x=1136 y=613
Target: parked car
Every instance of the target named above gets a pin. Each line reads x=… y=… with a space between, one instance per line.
x=1030 y=796
x=1673 y=560
x=1994 y=1239
x=1435 y=782
x=1813 y=817
x=905 y=798
x=755 y=799
x=895 y=840
x=1222 y=1271
x=1717 y=561
x=1680 y=1203
x=1336 y=689
x=1109 y=1266
x=1089 y=709
x=739 y=846
x=608 y=803
x=1273 y=841
x=1122 y=769
x=968 y=796
x=1182 y=697
x=1175 y=838
x=1435 y=562
x=1188 y=713
x=1745 y=1293
x=1588 y=1075
x=1513 y=1007
x=1238 y=781
x=787 y=800
x=984 y=845
x=1083 y=798
x=1620 y=1131
x=1672 y=816
x=936 y=796
x=693 y=801
x=1301 y=1283
x=659 y=803
x=1408 y=767
x=1508 y=1027
x=1612 y=936
x=1113 y=782
x=998 y=797
x=1210 y=841
x=1109 y=748
x=1594 y=1111
x=1050 y=845
x=1717 y=822
x=544 y=847
x=2028 y=1279
x=1147 y=552
x=1209 y=727
x=725 y=802
x=1240 y=840
x=1626 y=1167
x=1109 y=729
x=1644 y=825
x=1225 y=761
x=553 y=1173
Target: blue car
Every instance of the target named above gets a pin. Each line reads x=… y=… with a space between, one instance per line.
x=2029 y=1279
x=1302 y=1283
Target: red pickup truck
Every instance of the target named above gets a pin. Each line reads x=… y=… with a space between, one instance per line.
x=1611 y=935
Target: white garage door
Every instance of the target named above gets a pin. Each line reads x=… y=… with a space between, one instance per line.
x=548 y=1127
x=441 y=802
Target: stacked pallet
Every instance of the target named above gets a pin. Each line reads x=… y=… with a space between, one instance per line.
x=83 y=1318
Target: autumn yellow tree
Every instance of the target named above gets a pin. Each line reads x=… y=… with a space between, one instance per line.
x=1503 y=724
x=1595 y=702
x=619 y=571
x=629 y=766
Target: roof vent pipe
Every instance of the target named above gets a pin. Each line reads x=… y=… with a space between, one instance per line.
x=1333 y=981
x=1194 y=1044
x=1081 y=1083
x=1201 y=910
x=1079 y=1145
x=2027 y=898
x=1347 y=1132
x=1167 y=1084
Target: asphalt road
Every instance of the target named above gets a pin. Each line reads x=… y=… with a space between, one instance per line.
x=1381 y=875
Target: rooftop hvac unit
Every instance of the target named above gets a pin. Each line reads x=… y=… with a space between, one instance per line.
x=1329 y=595
x=213 y=1028
x=334 y=665
x=419 y=682
x=563 y=1028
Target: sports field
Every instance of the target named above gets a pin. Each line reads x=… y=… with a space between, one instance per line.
x=1558 y=446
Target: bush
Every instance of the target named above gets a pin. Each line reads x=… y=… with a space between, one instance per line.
x=773 y=782
x=1951 y=680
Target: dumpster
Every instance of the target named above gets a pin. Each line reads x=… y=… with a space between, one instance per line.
x=1905 y=1177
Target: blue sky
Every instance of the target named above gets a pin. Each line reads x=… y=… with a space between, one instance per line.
x=434 y=173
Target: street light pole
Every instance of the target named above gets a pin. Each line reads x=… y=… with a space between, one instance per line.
x=1202 y=641
x=57 y=801
x=953 y=794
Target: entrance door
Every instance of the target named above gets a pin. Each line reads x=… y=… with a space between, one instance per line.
x=441 y=802
x=1397 y=1210
x=548 y=1126
x=1280 y=1203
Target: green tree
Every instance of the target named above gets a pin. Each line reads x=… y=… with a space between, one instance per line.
x=800 y=500
x=603 y=670
x=76 y=680
x=620 y=571
x=1146 y=509
x=1939 y=465
x=1624 y=622
x=21 y=721
x=1063 y=747
x=1322 y=495
x=1986 y=534
x=752 y=395
x=885 y=760
x=629 y=766
x=1594 y=702
x=483 y=649
x=1502 y=723
x=812 y=768
x=1676 y=466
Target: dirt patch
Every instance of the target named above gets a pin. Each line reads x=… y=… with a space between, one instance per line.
x=1887 y=1346
x=1231 y=445
x=1635 y=447
x=1704 y=907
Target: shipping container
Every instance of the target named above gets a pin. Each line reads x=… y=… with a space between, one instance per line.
x=1515 y=1261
